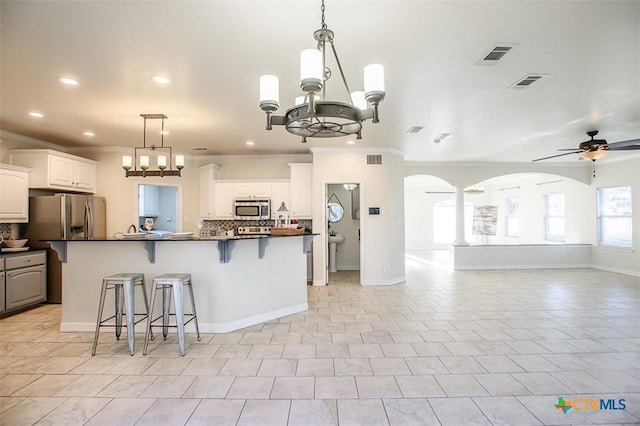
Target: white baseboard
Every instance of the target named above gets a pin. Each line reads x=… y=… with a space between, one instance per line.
x=248 y=322
x=348 y=267
x=83 y=327
x=525 y=266
x=392 y=281
x=617 y=270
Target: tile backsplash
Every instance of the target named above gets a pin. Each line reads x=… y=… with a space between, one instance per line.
x=218 y=227
x=5 y=230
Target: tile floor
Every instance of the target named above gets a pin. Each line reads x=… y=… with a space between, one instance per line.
x=450 y=348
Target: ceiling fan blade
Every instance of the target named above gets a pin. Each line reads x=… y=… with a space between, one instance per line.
x=559 y=155
x=625 y=145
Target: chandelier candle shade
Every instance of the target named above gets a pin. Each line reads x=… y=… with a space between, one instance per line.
x=313 y=115
x=161 y=159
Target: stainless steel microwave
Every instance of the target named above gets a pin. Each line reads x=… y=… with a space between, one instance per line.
x=252 y=208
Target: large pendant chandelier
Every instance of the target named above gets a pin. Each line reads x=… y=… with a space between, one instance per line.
x=313 y=115
x=143 y=153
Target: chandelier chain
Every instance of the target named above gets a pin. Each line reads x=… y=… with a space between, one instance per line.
x=324 y=25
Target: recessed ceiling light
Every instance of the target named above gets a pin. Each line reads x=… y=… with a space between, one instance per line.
x=161 y=79
x=351 y=142
x=250 y=143
x=36 y=114
x=89 y=133
x=68 y=81
x=164 y=132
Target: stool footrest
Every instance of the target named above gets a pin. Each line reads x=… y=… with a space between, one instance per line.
x=102 y=323
x=193 y=316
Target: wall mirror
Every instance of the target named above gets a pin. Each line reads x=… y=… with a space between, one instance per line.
x=335 y=210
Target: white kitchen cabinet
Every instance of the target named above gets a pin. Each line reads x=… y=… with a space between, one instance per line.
x=56 y=170
x=279 y=194
x=14 y=196
x=223 y=200
x=252 y=190
x=148 y=201
x=208 y=175
x=300 y=190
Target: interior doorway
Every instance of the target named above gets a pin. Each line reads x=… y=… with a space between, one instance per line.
x=343 y=229
x=162 y=204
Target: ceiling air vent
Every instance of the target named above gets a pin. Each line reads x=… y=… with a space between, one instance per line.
x=441 y=137
x=374 y=158
x=415 y=129
x=527 y=81
x=495 y=54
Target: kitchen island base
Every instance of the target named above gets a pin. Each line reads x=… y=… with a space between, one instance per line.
x=253 y=286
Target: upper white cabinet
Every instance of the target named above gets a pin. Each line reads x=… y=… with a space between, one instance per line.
x=223 y=200
x=252 y=190
x=300 y=190
x=56 y=170
x=208 y=175
x=279 y=195
x=226 y=191
x=148 y=200
x=14 y=196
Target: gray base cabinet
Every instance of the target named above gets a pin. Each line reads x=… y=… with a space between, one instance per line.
x=24 y=281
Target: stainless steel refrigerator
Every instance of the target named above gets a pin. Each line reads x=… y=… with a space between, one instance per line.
x=63 y=217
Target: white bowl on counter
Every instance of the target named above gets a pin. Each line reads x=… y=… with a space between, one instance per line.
x=15 y=243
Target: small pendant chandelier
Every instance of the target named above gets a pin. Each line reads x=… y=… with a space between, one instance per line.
x=313 y=115
x=128 y=162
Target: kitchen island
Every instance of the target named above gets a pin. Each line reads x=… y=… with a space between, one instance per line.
x=237 y=281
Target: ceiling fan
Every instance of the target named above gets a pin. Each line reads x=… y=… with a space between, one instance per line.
x=596 y=148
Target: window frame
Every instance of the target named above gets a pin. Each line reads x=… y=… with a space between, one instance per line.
x=550 y=216
x=600 y=216
x=508 y=217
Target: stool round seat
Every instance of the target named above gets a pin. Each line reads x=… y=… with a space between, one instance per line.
x=124 y=285
x=171 y=285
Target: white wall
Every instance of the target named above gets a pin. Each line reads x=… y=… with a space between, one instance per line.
x=618 y=173
x=530 y=191
x=579 y=209
x=382 y=236
x=254 y=166
x=580 y=206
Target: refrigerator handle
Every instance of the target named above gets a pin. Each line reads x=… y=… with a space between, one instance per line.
x=89 y=221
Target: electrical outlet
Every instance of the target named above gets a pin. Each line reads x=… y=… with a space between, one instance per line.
x=384 y=269
x=185 y=219
x=169 y=219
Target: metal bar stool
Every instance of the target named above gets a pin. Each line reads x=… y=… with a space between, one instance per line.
x=168 y=284
x=123 y=285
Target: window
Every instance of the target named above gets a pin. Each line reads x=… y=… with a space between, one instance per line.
x=512 y=224
x=444 y=221
x=554 y=217
x=614 y=216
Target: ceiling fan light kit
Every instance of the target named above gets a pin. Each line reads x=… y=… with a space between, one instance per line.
x=594 y=149
x=313 y=115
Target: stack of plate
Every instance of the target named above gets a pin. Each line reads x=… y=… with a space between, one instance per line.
x=181 y=235
x=134 y=236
